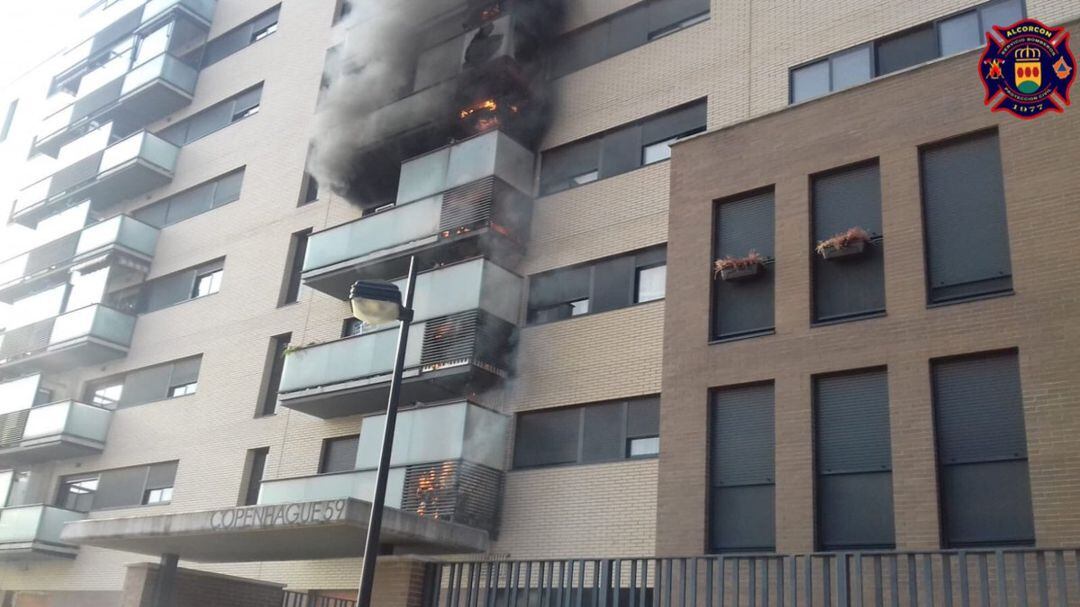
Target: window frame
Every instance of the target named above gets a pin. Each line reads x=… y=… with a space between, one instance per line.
x=324 y=452
x=637 y=282
x=214 y=278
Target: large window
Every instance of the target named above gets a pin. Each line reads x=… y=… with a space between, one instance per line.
x=291 y=285
x=194 y=201
x=275 y=365
x=241 y=37
x=254 y=469
x=853 y=461
x=149 y=384
x=118 y=488
x=589 y=434
x=849 y=278
x=213 y=118
x=982 y=451
x=600 y=286
x=742 y=469
x=743 y=301
x=620 y=150
x=966 y=235
x=628 y=29
x=182 y=286
x=941 y=38
x=339 y=454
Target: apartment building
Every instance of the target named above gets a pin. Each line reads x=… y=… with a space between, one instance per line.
x=182 y=378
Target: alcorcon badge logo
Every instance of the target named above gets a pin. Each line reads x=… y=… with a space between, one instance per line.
x=1027 y=69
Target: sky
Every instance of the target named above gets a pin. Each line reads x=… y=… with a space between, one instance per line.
x=30 y=32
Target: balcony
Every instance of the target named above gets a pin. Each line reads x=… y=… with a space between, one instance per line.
x=127 y=168
x=461 y=201
x=123 y=240
x=459 y=344
x=100 y=31
x=33 y=532
x=447 y=464
x=56 y=431
x=157 y=12
x=132 y=99
x=87 y=336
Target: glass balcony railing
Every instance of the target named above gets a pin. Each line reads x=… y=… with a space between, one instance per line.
x=146 y=93
x=100 y=29
x=464 y=321
x=89 y=335
x=447 y=463
x=33 y=531
x=127 y=168
x=156 y=10
x=51 y=432
x=449 y=195
x=19 y=394
x=121 y=234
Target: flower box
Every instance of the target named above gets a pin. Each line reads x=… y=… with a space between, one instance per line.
x=738 y=268
x=845 y=244
x=740 y=273
x=850 y=249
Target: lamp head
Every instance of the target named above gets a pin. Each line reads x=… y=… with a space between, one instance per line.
x=375 y=301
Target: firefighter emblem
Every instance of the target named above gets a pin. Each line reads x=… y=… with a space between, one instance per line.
x=1027 y=69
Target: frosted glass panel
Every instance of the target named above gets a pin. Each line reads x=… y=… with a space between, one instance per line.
x=356 y=485
x=18 y=394
x=38 y=306
x=401 y=225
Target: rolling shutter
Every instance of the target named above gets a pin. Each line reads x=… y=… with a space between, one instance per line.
x=547 y=437
x=746 y=306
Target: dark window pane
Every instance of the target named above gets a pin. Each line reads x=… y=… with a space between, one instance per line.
x=547 y=437
x=146 y=385
x=855 y=511
x=676 y=123
x=620 y=151
x=909 y=48
x=161 y=475
x=153 y=214
x=295 y=267
x=561 y=165
x=272 y=371
x=256 y=466
x=339 y=454
x=603 y=429
x=742 y=519
x=579 y=49
x=967 y=240
x=227 y=188
x=741 y=440
x=208 y=121
x=978 y=409
x=123 y=487
x=987 y=504
x=189 y=204
x=629 y=29
x=643 y=417
x=613 y=284
x=665 y=13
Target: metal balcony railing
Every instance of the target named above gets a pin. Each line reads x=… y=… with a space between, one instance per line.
x=1007 y=577
x=119 y=235
x=34 y=531
x=127 y=168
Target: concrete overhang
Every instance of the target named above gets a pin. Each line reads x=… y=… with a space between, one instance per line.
x=326 y=529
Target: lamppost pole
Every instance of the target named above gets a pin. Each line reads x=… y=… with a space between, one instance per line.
x=371 y=545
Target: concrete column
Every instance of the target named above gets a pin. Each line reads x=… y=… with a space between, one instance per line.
x=165 y=585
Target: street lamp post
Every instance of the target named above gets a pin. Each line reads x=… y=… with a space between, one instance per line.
x=376 y=302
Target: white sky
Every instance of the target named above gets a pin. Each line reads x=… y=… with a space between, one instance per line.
x=30 y=32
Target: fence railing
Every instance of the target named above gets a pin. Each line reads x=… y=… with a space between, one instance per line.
x=303 y=599
x=1019 y=577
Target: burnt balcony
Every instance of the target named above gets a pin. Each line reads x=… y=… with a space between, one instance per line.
x=33 y=532
x=447 y=464
x=127 y=168
x=87 y=336
x=131 y=98
x=122 y=240
x=51 y=432
x=461 y=201
x=459 y=344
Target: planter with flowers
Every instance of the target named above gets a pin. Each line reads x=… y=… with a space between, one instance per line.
x=738 y=268
x=845 y=244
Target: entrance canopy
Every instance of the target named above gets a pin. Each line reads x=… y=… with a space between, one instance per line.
x=322 y=529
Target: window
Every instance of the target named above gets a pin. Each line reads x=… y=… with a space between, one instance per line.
x=848 y=284
x=254 y=469
x=292 y=284
x=636 y=26
x=213 y=118
x=650 y=283
x=146 y=385
x=948 y=36
x=982 y=454
x=742 y=469
x=966 y=236
x=599 y=286
x=118 y=488
x=180 y=286
x=207 y=284
x=9 y=118
x=595 y=433
x=241 y=36
x=744 y=307
x=853 y=461
x=272 y=370
x=352 y=327
x=309 y=189
x=195 y=201
x=339 y=454
x=620 y=150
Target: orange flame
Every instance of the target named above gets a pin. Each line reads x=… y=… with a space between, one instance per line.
x=429 y=488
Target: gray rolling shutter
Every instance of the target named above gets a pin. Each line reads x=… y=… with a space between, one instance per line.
x=168 y=290
x=854 y=461
x=547 y=437
x=227 y=188
x=613 y=284
x=603 y=433
x=746 y=306
x=123 y=487
x=560 y=164
x=185 y=371
x=982 y=450
x=672 y=124
x=643 y=418
x=629 y=29
x=621 y=151
x=906 y=49
x=742 y=469
x=664 y=13
x=161 y=476
x=146 y=386
x=339 y=454
x=579 y=49
x=189 y=203
x=209 y=120
x=967 y=239
x=851 y=286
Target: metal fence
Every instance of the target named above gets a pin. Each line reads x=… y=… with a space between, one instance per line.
x=302 y=599
x=963 y=578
